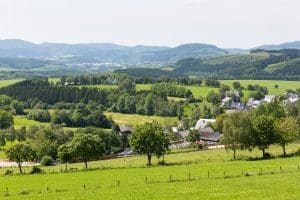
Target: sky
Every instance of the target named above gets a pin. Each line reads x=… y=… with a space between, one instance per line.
x=225 y=23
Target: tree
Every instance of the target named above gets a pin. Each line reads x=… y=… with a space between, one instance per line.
x=21 y=153
x=213 y=97
x=127 y=84
x=236 y=85
x=264 y=132
x=65 y=154
x=39 y=115
x=149 y=139
x=21 y=134
x=6 y=119
x=2 y=138
x=288 y=131
x=11 y=134
x=86 y=146
x=236 y=130
x=149 y=108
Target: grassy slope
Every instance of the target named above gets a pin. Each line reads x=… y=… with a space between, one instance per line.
x=134 y=119
x=23 y=121
x=282 y=65
x=4 y=83
x=283 y=85
x=131 y=172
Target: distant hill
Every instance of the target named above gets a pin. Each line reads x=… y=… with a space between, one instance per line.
x=258 y=64
x=287 y=45
x=108 y=52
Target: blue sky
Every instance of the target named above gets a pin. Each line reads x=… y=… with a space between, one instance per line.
x=226 y=23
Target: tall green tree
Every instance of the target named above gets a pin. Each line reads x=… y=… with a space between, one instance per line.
x=86 y=146
x=21 y=153
x=236 y=129
x=65 y=154
x=149 y=139
x=288 y=131
x=264 y=132
x=6 y=119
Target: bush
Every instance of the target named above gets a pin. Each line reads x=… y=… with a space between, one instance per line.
x=8 y=172
x=39 y=115
x=47 y=161
x=36 y=170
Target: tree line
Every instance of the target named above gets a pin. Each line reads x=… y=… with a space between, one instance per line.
x=267 y=125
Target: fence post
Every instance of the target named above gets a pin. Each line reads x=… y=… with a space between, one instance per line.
x=118 y=183
x=146 y=179
x=281 y=169
x=224 y=173
x=189 y=176
x=170 y=178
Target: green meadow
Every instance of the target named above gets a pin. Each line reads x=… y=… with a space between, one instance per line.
x=4 y=83
x=270 y=84
x=210 y=174
x=135 y=119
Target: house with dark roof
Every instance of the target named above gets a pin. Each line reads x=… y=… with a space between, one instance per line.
x=125 y=132
x=208 y=135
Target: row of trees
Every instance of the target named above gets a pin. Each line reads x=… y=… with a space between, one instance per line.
x=53 y=141
x=40 y=94
x=268 y=124
x=167 y=89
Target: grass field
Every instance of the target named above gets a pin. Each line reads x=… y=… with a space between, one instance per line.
x=24 y=121
x=134 y=119
x=190 y=175
x=270 y=84
x=4 y=83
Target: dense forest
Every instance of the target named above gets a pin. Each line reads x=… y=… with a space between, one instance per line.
x=124 y=99
x=259 y=64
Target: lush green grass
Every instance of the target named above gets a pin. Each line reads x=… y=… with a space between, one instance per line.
x=270 y=84
x=4 y=83
x=53 y=80
x=191 y=175
x=20 y=120
x=134 y=119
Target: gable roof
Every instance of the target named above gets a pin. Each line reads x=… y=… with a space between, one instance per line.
x=124 y=129
x=208 y=134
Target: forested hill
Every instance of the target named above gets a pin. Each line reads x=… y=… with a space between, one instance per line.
x=258 y=64
x=108 y=52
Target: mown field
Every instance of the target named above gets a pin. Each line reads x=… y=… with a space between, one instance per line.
x=270 y=84
x=207 y=174
x=4 y=83
x=135 y=119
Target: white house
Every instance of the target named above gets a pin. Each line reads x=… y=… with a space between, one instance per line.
x=252 y=103
x=269 y=98
x=226 y=101
x=202 y=123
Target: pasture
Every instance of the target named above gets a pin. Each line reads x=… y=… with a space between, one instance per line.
x=270 y=84
x=4 y=83
x=135 y=119
x=207 y=174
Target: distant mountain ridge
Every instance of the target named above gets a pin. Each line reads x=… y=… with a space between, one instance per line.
x=286 y=45
x=108 y=52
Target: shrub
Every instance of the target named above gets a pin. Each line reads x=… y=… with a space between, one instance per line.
x=39 y=115
x=297 y=153
x=47 y=161
x=8 y=172
x=36 y=170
